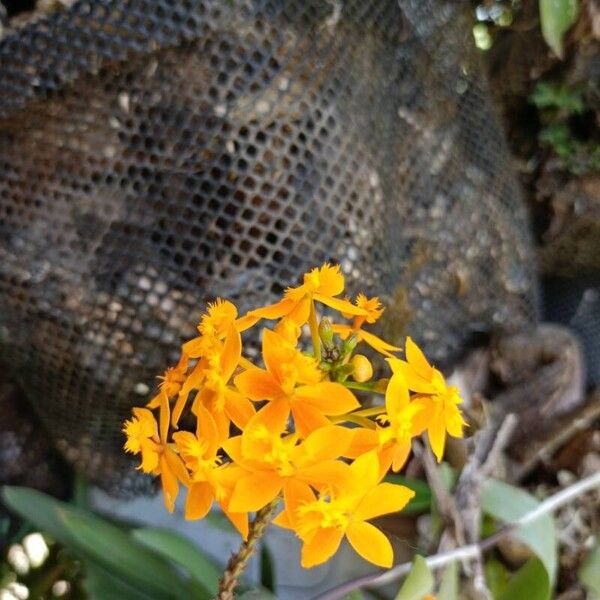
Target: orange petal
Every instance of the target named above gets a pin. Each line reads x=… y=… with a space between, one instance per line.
x=307 y=418
x=254 y=491
x=329 y=473
x=328 y=397
x=437 y=436
x=238 y=408
x=154 y=402
x=342 y=330
x=343 y=306
x=377 y=343
x=295 y=494
x=274 y=416
x=176 y=465
x=206 y=430
x=383 y=499
x=331 y=280
x=422 y=417
x=416 y=359
x=370 y=543
x=273 y=311
x=396 y=395
x=149 y=457
x=194 y=348
x=365 y=469
x=325 y=443
x=414 y=381
x=363 y=440
x=233 y=447
x=400 y=455
x=300 y=312
x=199 y=499
x=275 y=351
x=246 y=322
x=283 y=520
x=232 y=351
x=169 y=484
x=239 y=521
x=321 y=547
x=257 y=384
x=165 y=417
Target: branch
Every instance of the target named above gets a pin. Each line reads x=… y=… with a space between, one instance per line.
x=472 y=550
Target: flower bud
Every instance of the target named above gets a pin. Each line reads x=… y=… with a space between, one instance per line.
x=362 y=368
x=349 y=344
x=325 y=332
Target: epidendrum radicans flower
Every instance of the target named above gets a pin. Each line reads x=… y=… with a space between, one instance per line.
x=286 y=429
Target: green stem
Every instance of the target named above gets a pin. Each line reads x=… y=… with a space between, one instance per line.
x=353 y=418
x=363 y=387
x=370 y=412
x=314 y=331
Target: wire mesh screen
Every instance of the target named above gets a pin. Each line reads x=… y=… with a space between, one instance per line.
x=155 y=155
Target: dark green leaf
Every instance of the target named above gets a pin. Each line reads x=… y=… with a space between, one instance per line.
x=97 y=540
x=101 y=585
x=496 y=576
x=530 y=582
x=127 y=559
x=267 y=572
x=183 y=552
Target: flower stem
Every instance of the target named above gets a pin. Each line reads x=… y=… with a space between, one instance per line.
x=314 y=331
x=238 y=561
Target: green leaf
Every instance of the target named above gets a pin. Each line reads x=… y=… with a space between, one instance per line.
x=39 y=509
x=183 y=552
x=421 y=501
x=496 y=576
x=354 y=595
x=449 y=585
x=267 y=572
x=116 y=551
x=508 y=503
x=556 y=18
x=257 y=594
x=530 y=582
x=589 y=572
x=418 y=583
x=97 y=541
x=100 y=585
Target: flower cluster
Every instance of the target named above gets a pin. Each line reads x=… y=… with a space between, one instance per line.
x=292 y=427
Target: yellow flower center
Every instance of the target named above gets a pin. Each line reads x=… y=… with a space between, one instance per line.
x=289 y=378
x=220 y=316
x=273 y=450
x=324 y=513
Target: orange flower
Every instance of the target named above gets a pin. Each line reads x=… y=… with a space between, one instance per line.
x=220 y=316
x=372 y=311
x=171 y=382
x=439 y=402
x=224 y=402
x=322 y=521
x=321 y=284
x=208 y=480
x=393 y=442
x=158 y=457
x=286 y=368
x=270 y=460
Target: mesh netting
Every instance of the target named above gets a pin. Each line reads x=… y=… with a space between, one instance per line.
x=155 y=155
